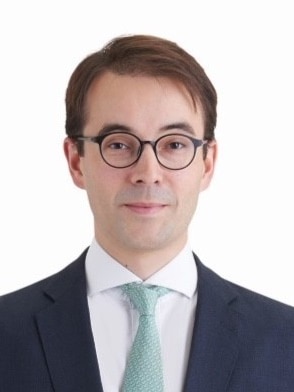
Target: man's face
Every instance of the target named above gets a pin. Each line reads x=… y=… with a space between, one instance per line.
x=145 y=207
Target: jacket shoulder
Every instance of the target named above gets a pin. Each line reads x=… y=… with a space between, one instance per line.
x=26 y=301
x=247 y=303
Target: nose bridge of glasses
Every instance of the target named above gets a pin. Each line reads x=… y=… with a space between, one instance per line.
x=152 y=144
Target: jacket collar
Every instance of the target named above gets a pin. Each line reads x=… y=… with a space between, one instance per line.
x=214 y=348
x=65 y=332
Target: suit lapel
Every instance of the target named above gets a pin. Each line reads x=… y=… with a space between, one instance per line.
x=214 y=347
x=66 y=335
x=65 y=332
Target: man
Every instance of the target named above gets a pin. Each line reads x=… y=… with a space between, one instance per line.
x=140 y=123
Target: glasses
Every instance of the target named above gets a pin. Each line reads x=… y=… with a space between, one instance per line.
x=122 y=149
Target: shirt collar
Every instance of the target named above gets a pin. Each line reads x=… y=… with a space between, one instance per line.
x=103 y=272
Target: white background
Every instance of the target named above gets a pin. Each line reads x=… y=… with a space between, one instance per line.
x=243 y=228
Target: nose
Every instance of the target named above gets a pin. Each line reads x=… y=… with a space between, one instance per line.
x=147 y=169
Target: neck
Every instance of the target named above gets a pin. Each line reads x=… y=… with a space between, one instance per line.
x=143 y=263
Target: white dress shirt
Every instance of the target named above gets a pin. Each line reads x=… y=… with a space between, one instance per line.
x=114 y=320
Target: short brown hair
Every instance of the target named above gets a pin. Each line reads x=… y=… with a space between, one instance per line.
x=140 y=55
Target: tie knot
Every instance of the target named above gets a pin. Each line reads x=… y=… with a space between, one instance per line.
x=144 y=297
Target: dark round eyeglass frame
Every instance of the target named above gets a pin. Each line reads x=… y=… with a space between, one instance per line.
x=100 y=138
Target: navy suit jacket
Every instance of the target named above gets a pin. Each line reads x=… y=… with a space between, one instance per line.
x=242 y=341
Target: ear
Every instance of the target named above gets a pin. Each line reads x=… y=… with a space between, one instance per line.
x=209 y=165
x=74 y=162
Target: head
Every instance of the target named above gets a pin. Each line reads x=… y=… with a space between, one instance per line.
x=146 y=56
x=149 y=88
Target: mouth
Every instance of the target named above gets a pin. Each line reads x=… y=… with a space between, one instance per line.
x=145 y=208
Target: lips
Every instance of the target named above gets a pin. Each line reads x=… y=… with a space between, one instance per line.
x=145 y=208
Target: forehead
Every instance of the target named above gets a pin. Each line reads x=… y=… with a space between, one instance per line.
x=140 y=101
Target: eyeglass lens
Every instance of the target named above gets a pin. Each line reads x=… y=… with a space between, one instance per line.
x=173 y=151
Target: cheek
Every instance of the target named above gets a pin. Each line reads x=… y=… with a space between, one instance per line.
x=189 y=186
x=102 y=185
x=189 y=180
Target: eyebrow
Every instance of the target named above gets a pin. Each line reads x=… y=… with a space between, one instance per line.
x=183 y=126
x=114 y=127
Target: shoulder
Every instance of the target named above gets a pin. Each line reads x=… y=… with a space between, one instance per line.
x=250 y=305
x=264 y=314
x=23 y=303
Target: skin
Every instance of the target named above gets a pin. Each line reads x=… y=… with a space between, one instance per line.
x=141 y=213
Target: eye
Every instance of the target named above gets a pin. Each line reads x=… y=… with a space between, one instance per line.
x=174 y=142
x=117 y=146
x=175 y=145
x=118 y=142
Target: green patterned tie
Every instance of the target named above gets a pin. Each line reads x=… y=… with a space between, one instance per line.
x=144 y=367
